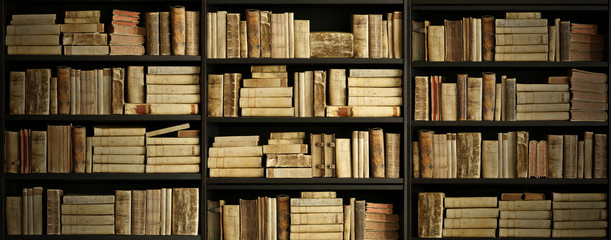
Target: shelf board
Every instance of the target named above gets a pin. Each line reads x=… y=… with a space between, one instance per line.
x=489 y=8
x=301 y=187
x=313 y=181
x=100 y=237
x=508 y=2
x=512 y=181
x=102 y=118
x=305 y=2
x=509 y=64
x=305 y=61
x=103 y=177
x=303 y=120
x=100 y=58
x=504 y=238
x=507 y=124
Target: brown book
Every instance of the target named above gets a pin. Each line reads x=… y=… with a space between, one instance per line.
x=78 y=149
x=253 y=25
x=152 y=33
x=12 y=152
x=585 y=76
x=360 y=30
x=320 y=82
x=588 y=146
x=510 y=99
x=98 y=39
x=231 y=87
x=267 y=33
x=233 y=35
x=461 y=88
x=249 y=227
x=63 y=90
x=586 y=38
x=532 y=159
x=542 y=156
x=555 y=156
x=331 y=45
x=375 y=35
x=522 y=154
x=165 y=47
x=37 y=89
x=17 y=97
x=489 y=96
x=588 y=96
x=421 y=98
x=138 y=212
x=487 y=38
x=53 y=211
x=430 y=214
x=453 y=40
x=376 y=150
x=589 y=87
x=469 y=154
x=600 y=155
x=185 y=211
x=123 y=212
x=14 y=216
x=118 y=89
x=215 y=95
x=127 y=50
x=283 y=214
x=178 y=22
x=569 y=155
x=425 y=144
x=565 y=41
x=38 y=152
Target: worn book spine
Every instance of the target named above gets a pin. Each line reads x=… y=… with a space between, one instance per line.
x=600 y=155
x=266 y=34
x=302 y=38
x=53 y=96
x=522 y=154
x=474 y=99
x=38 y=152
x=320 y=83
x=375 y=36
x=152 y=33
x=490 y=163
x=510 y=99
x=118 y=89
x=430 y=214
x=192 y=33
x=421 y=98
x=78 y=149
x=15 y=216
x=569 y=155
x=253 y=26
x=470 y=202
x=337 y=87
x=221 y=34
x=233 y=36
x=165 y=47
x=448 y=102
x=342 y=158
x=588 y=149
x=425 y=143
x=123 y=212
x=489 y=96
x=185 y=211
x=435 y=42
x=564 y=40
x=138 y=212
x=376 y=150
x=178 y=21
x=462 y=96
x=397 y=34
x=453 y=40
x=554 y=156
x=215 y=95
x=231 y=86
x=360 y=29
x=392 y=155
x=488 y=37
x=135 y=84
x=331 y=45
x=37 y=89
x=17 y=91
x=469 y=155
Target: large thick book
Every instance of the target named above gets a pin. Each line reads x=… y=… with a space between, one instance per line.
x=185 y=211
x=470 y=202
x=430 y=215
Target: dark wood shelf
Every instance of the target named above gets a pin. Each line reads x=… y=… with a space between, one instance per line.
x=510 y=64
x=505 y=8
x=306 y=61
x=300 y=181
x=303 y=120
x=510 y=181
x=100 y=237
x=507 y=124
x=508 y=2
x=308 y=2
x=100 y=58
x=102 y=118
x=302 y=187
x=103 y=177
x=458 y=238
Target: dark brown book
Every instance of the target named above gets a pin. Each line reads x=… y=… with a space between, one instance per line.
x=425 y=146
x=178 y=22
x=375 y=36
x=79 y=148
x=266 y=34
x=54 y=197
x=37 y=89
x=586 y=47
x=569 y=156
x=585 y=56
x=589 y=87
x=522 y=157
x=469 y=158
x=453 y=40
x=554 y=156
x=233 y=35
x=488 y=38
x=213 y=220
x=489 y=96
x=320 y=90
x=165 y=48
x=17 y=97
x=53 y=96
x=231 y=88
x=600 y=155
x=138 y=212
x=63 y=90
x=185 y=211
x=565 y=41
x=253 y=26
x=510 y=98
x=249 y=226
x=152 y=33
x=461 y=88
x=587 y=38
x=430 y=214
x=585 y=76
x=284 y=216
x=376 y=151
x=118 y=89
x=359 y=220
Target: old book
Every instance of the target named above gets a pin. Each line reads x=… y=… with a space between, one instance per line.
x=253 y=25
x=360 y=30
x=235 y=151
x=375 y=35
x=453 y=40
x=78 y=149
x=127 y=159
x=86 y=50
x=123 y=212
x=376 y=150
x=375 y=92
x=470 y=223
x=579 y=197
x=337 y=87
x=470 y=202
x=288 y=160
x=135 y=84
x=172 y=150
x=118 y=89
x=363 y=111
x=374 y=81
x=472 y=213
x=302 y=38
x=537 y=48
x=172 y=89
x=117 y=168
x=588 y=96
x=579 y=205
x=522 y=154
x=569 y=156
x=279 y=34
x=164 y=33
x=320 y=83
x=48 y=29
x=469 y=157
x=153 y=214
x=172 y=168
x=600 y=155
x=488 y=30
x=418 y=41
x=215 y=95
x=430 y=214
x=392 y=162
x=524 y=232
x=38 y=152
x=490 y=163
x=580 y=225
x=528 y=214
x=178 y=23
x=88 y=229
x=230 y=222
x=579 y=233
x=580 y=214
x=87 y=209
x=266 y=33
x=525 y=205
x=185 y=205
x=234 y=162
x=468 y=232
x=119 y=39
x=317 y=218
x=251 y=112
x=152 y=21
x=37 y=83
x=34 y=50
x=588 y=154
x=138 y=212
x=331 y=45
x=12 y=152
x=14 y=216
x=17 y=95
x=589 y=87
x=489 y=96
x=264 y=82
x=421 y=99
x=425 y=143
x=542 y=97
x=237 y=172
x=172 y=99
x=525 y=223
x=192 y=32
x=32 y=40
x=474 y=99
x=231 y=85
x=79 y=39
x=549 y=107
x=87 y=219
x=288 y=173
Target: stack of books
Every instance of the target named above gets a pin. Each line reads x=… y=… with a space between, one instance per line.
x=317 y=215
x=380 y=222
x=589 y=96
x=470 y=217
x=542 y=102
x=580 y=42
x=84 y=34
x=235 y=156
x=33 y=34
x=285 y=156
x=172 y=154
x=521 y=37
x=88 y=214
x=521 y=218
x=580 y=215
x=117 y=149
x=126 y=38
x=266 y=79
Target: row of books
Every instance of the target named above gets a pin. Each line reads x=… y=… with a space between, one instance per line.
x=573 y=215
x=167 y=211
x=366 y=152
x=172 y=33
x=521 y=36
x=169 y=90
x=363 y=93
x=513 y=155
x=67 y=149
x=315 y=215
x=482 y=98
x=264 y=34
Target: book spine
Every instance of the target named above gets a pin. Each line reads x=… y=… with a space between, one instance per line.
x=152 y=33
x=600 y=156
x=360 y=29
x=461 y=86
x=165 y=47
x=78 y=149
x=425 y=143
x=178 y=21
x=192 y=33
x=376 y=138
x=254 y=33
x=233 y=36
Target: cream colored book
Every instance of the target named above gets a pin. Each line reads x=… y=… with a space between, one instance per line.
x=538 y=48
x=472 y=213
x=255 y=151
x=86 y=50
x=172 y=89
x=316 y=209
x=579 y=197
x=375 y=101
x=287 y=135
x=236 y=172
x=32 y=40
x=171 y=168
x=88 y=219
x=50 y=29
x=263 y=102
x=118 y=141
x=316 y=235
x=469 y=232
x=525 y=205
x=470 y=202
x=470 y=223
x=525 y=223
x=520 y=56
x=325 y=194
x=172 y=150
x=285 y=141
x=82 y=20
x=171 y=141
x=317 y=218
x=250 y=138
x=34 y=50
x=118 y=159
x=268 y=68
x=269 y=75
x=526 y=215
x=85 y=39
x=123 y=212
x=234 y=162
x=558 y=233
x=343 y=161
x=88 y=199
x=267 y=112
x=119 y=150
x=288 y=160
x=288 y=173
x=173 y=160
x=118 y=131
x=83 y=14
x=173 y=70
x=168 y=130
x=266 y=92
x=236 y=144
x=296 y=202
x=117 y=168
x=302 y=38
x=309 y=228
x=579 y=205
x=363 y=111
x=285 y=149
x=524 y=232
x=543 y=97
x=172 y=79
x=542 y=116
x=519 y=22
x=88 y=229
x=375 y=92
x=264 y=82
x=542 y=87
x=88 y=209
x=374 y=81
x=376 y=72
x=580 y=224
x=580 y=215
x=549 y=107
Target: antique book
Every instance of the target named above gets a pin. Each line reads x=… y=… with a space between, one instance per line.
x=185 y=205
x=138 y=212
x=537 y=48
x=337 y=87
x=192 y=32
x=421 y=99
x=331 y=45
x=435 y=43
x=488 y=30
x=375 y=35
x=302 y=38
x=172 y=150
x=425 y=143
x=123 y=212
x=165 y=47
x=430 y=215
x=360 y=30
x=522 y=156
x=600 y=156
x=468 y=232
x=14 y=217
x=153 y=214
x=374 y=82
x=489 y=96
x=178 y=23
x=263 y=82
x=470 y=202
x=490 y=163
x=579 y=215
x=34 y=50
x=363 y=111
x=152 y=21
x=588 y=154
x=46 y=29
x=320 y=83
x=231 y=85
x=470 y=223
x=37 y=89
x=572 y=225
x=76 y=39
x=288 y=173
x=579 y=233
x=392 y=162
x=469 y=157
x=579 y=197
x=453 y=40
x=266 y=33
x=555 y=156
x=279 y=44
x=87 y=229
x=251 y=112
x=234 y=162
x=359 y=72
x=253 y=26
x=569 y=156
x=17 y=95
x=215 y=95
x=235 y=151
x=474 y=99
x=472 y=213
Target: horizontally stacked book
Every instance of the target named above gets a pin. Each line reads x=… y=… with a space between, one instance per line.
x=73 y=91
x=117 y=150
x=235 y=156
x=83 y=33
x=580 y=215
x=172 y=33
x=541 y=101
x=524 y=218
x=171 y=90
x=579 y=42
x=521 y=37
x=170 y=154
x=470 y=217
x=589 y=100
x=87 y=214
x=33 y=34
x=378 y=218
x=513 y=155
x=262 y=95
x=285 y=156
x=126 y=38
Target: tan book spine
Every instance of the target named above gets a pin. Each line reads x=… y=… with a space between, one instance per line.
x=557 y=233
x=127 y=159
x=82 y=27
x=525 y=205
x=288 y=160
x=37 y=87
x=474 y=99
x=236 y=138
x=265 y=102
x=152 y=33
x=508 y=214
x=118 y=89
x=588 y=154
x=254 y=33
x=233 y=36
x=524 y=232
x=34 y=50
x=542 y=97
x=472 y=213
x=165 y=47
x=265 y=82
x=435 y=41
x=173 y=70
x=288 y=173
x=117 y=168
x=215 y=95
x=17 y=93
x=537 y=48
x=331 y=45
x=545 y=107
x=235 y=144
x=235 y=151
x=178 y=22
x=171 y=141
x=378 y=167
x=296 y=202
x=234 y=162
x=91 y=209
x=135 y=84
x=397 y=29
x=430 y=214
x=243 y=40
x=374 y=82
x=230 y=222
x=469 y=154
x=192 y=33
x=522 y=154
x=342 y=158
x=285 y=148
x=569 y=164
x=123 y=212
x=153 y=215
x=138 y=212
x=317 y=218
x=308 y=228
x=266 y=33
x=555 y=156
x=86 y=50
x=392 y=155
x=302 y=38
x=319 y=195
x=118 y=141
x=38 y=152
x=579 y=197
x=490 y=160
x=470 y=202
x=88 y=219
x=172 y=79
x=572 y=225
x=375 y=36
x=600 y=156
x=237 y=172
x=448 y=102
x=172 y=150
x=231 y=86
x=459 y=223
x=525 y=223
x=415 y=160
x=421 y=99
x=53 y=211
x=579 y=215
x=14 y=213
x=79 y=149
x=88 y=229
x=425 y=143
x=337 y=87
x=173 y=160
x=360 y=29
x=185 y=211
x=579 y=205
x=12 y=152
x=53 y=96
x=489 y=96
